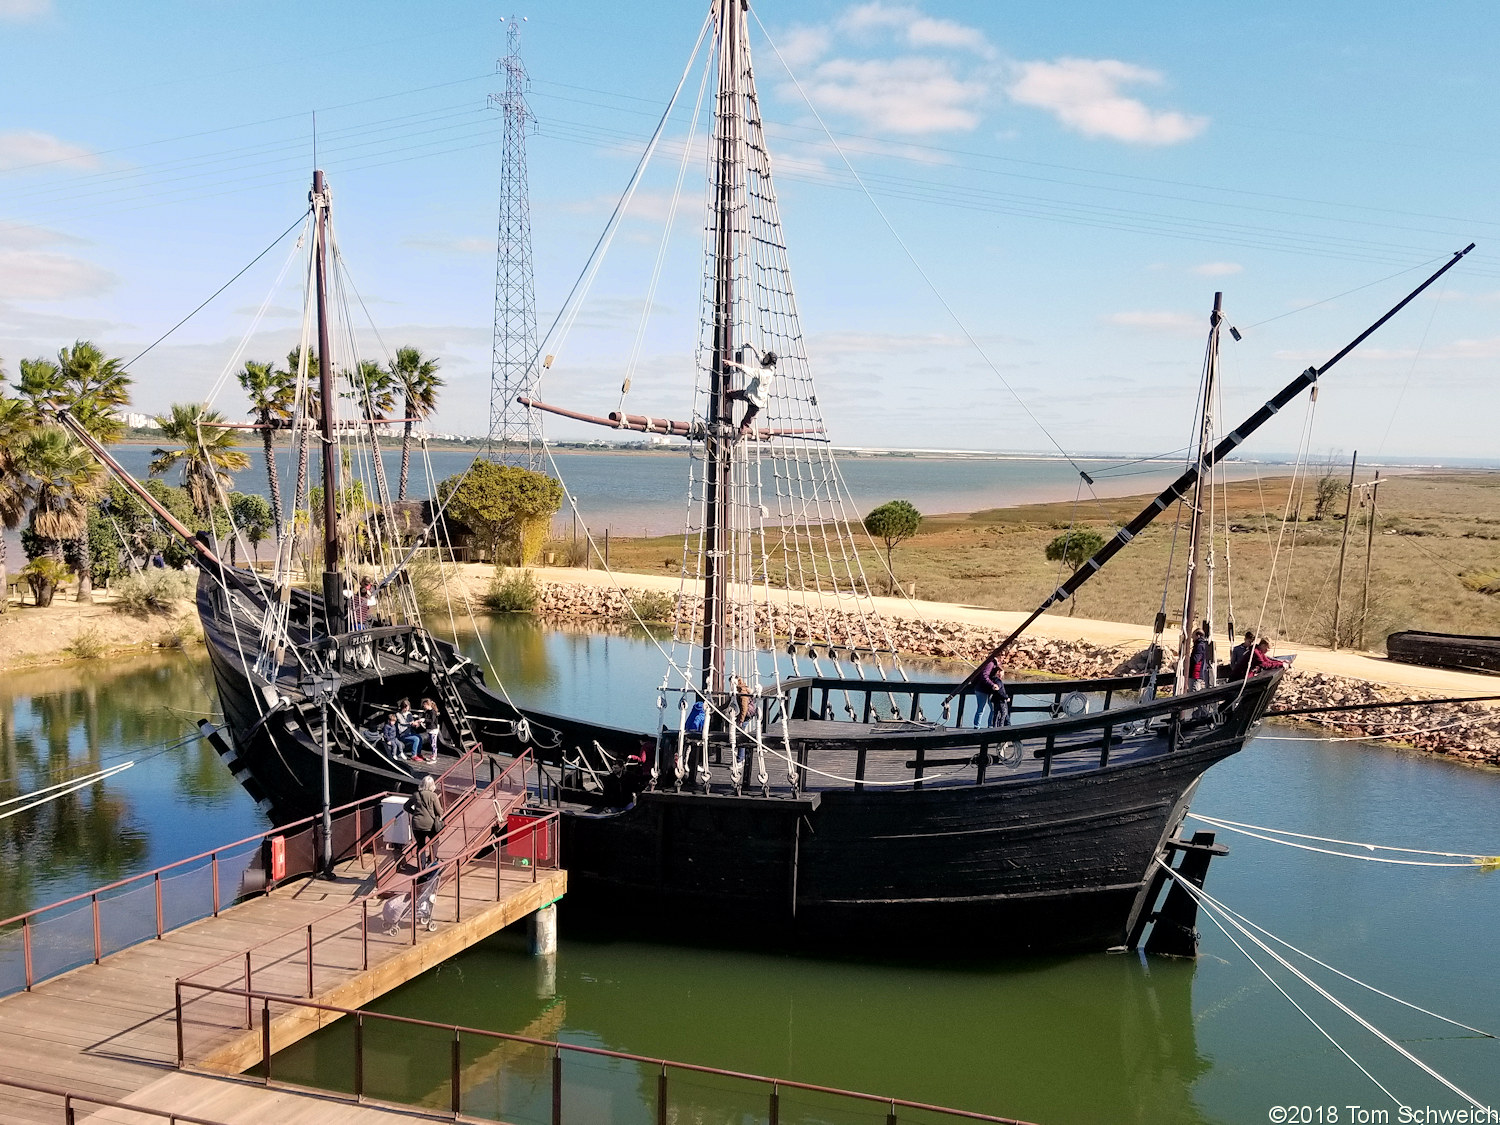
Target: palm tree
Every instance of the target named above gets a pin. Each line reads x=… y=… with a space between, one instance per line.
x=271 y=393
x=96 y=387
x=92 y=387
x=207 y=456
x=62 y=480
x=377 y=387
x=16 y=425
x=416 y=376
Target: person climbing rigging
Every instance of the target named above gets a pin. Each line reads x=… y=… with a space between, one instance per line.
x=756 y=388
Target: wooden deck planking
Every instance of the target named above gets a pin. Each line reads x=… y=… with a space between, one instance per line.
x=108 y=1030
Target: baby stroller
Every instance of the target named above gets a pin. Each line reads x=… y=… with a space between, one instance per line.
x=398 y=907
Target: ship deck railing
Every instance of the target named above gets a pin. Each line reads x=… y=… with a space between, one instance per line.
x=86 y=928
x=1037 y=740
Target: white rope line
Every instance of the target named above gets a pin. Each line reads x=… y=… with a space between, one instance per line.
x=1353 y=979
x=1278 y=986
x=1237 y=825
x=36 y=799
x=1471 y=721
x=1203 y=896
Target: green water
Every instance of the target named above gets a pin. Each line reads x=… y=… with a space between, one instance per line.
x=1078 y=1040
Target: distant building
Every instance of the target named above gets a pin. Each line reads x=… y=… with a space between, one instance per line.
x=141 y=422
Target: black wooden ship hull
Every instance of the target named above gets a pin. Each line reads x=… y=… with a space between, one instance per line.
x=1039 y=836
x=1445 y=650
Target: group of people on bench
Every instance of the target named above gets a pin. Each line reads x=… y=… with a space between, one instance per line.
x=406 y=734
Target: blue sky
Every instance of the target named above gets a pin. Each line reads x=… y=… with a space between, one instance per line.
x=1075 y=179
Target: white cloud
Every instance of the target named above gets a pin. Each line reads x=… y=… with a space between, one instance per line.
x=24 y=9
x=21 y=236
x=1176 y=323
x=1085 y=95
x=37 y=275
x=1218 y=269
x=913 y=95
x=21 y=149
x=915 y=28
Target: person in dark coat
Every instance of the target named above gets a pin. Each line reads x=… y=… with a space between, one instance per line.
x=1239 y=656
x=989 y=689
x=426 y=812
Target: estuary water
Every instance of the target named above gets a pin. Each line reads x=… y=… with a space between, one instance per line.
x=641 y=493
x=1091 y=1039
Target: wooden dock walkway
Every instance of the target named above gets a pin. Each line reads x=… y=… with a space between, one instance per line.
x=122 y=1027
x=110 y=1029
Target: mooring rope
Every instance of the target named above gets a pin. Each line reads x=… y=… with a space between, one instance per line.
x=1205 y=899
x=1484 y=862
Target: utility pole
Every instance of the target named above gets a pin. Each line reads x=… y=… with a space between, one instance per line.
x=1338 y=592
x=515 y=431
x=1364 y=605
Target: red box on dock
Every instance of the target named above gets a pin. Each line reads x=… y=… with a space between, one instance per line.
x=527 y=838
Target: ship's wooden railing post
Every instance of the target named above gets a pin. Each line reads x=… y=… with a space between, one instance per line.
x=859 y=769
x=1047 y=764
x=982 y=761
x=1109 y=733
x=916 y=782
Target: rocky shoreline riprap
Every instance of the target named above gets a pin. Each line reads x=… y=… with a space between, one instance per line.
x=1465 y=731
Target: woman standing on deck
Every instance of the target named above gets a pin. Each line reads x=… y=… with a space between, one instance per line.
x=426 y=816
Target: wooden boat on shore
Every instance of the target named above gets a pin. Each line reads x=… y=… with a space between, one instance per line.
x=824 y=797
x=1454 y=651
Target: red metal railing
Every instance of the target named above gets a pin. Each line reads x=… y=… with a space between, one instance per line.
x=70 y=1100
x=341 y=939
x=771 y=1089
x=101 y=899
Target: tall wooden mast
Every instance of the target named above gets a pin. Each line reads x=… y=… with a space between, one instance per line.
x=1200 y=485
x=333 y=586
x=720 y=438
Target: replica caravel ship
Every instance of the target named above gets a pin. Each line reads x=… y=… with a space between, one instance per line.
x=799 y=785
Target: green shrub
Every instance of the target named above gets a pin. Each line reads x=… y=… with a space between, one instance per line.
x=512 y=592
x=151 y=591
x=651 y=605
x=429 y=584
x=89 y=644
